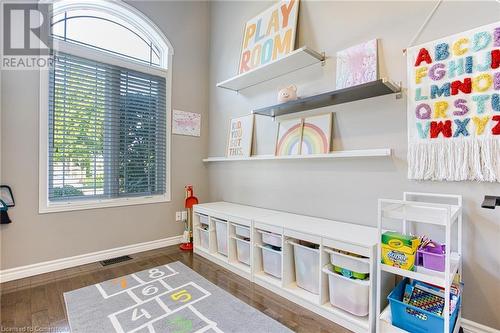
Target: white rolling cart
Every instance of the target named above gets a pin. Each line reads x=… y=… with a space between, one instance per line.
x=422 y=211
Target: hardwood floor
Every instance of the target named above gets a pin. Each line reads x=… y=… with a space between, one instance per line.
x=37 y=302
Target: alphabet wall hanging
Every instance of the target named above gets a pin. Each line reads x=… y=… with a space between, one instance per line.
x=454 y=107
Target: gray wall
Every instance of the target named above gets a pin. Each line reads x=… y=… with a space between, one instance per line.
x=34 y=238
x=347 y=190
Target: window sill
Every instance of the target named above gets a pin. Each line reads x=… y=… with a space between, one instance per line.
x=97 y=204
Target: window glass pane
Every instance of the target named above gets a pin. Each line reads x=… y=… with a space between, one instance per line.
x=107 y=131
x=116 y=38
x=77 y=131
x=104 y=16
x=58 y=25
x=106 y=32
x=155 y=59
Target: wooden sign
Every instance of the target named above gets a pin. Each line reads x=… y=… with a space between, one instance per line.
x=240 y=137
x=269 y=36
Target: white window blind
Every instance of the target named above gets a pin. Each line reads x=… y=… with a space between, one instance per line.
x=107 y=131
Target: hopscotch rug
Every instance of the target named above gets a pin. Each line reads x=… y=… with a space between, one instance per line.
x=170 y=298
x=454 y=107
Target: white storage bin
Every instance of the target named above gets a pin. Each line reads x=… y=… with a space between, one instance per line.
x=203 y=218
x=270 y=238
x=271 y=260
x=306 y=267
x=355 y=264
x=243 y=250
x=242 y=231
x=348 y=294
x=204 y=236
x=221 y=233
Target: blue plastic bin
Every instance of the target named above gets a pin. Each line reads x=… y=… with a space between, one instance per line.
x=411 y=323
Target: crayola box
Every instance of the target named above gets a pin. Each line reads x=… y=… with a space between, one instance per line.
x=399 y=250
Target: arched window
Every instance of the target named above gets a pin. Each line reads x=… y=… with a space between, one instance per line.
x=127 y=32
x=104 y=125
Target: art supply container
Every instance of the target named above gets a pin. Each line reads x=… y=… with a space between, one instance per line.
x=221 y=233
x=306 y=267
x=348 y=265
x=204 y=237
x=432 y=257
x=270 y=238
x=242 y=231
x=243 y=250
x=413 y=319
x=271 y=260
x=351 y=295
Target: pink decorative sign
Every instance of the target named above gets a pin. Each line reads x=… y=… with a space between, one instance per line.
x=186 y=123
x=357 y=65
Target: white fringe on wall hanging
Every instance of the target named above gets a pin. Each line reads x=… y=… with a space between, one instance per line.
x=454 y=107
x=466 y=159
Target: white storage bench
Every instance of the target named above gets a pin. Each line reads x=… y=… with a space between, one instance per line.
x=273 y=250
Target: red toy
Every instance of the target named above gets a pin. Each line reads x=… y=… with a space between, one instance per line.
x=190 y=201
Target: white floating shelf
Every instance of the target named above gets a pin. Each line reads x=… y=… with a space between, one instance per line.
x=295 y=60
x=335 y=154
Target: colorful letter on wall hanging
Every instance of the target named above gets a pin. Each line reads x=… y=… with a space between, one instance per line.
x=453 y=107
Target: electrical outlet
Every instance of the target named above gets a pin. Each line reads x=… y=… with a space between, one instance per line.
x=184 y=215
x=178 y=216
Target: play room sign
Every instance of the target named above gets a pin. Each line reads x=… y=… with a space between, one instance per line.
x=269 y=35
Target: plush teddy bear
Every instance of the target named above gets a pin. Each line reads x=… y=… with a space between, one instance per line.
x=287 y=94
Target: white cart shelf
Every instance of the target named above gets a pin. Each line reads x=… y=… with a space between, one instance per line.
x=440 y=210
x=327 y=234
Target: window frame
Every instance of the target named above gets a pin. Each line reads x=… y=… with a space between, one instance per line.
x=133 y=16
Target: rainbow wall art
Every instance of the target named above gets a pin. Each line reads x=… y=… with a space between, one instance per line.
x=316 y=135
x=289 y=137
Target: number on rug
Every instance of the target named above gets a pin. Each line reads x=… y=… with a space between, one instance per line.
x=144 y=313
x=181 y=296
x=155 y=273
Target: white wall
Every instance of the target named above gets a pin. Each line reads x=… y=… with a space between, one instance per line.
x=347 y=190
x=33 y=237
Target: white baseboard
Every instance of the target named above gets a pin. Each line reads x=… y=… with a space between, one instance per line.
x=470 y=326
x=54 y=265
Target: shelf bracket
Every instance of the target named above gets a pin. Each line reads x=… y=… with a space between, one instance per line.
x=399 y=95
